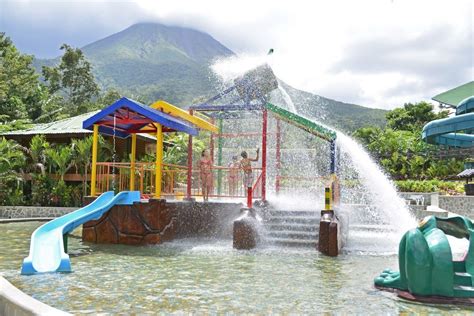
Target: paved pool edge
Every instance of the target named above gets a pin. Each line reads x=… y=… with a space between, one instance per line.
x=15 y=302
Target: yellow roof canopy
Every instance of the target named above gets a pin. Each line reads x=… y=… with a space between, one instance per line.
x=175 y=111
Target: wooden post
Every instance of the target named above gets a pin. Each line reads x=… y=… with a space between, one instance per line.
x=132 y=162
x=159 y=160
x=95 y=143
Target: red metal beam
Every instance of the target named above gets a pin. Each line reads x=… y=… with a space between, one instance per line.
x=264 y=153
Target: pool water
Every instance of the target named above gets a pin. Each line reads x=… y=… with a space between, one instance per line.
x=205 y=276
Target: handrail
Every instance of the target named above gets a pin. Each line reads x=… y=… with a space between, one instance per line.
x=174 y=179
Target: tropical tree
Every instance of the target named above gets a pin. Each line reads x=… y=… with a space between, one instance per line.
x=61 y=159
x=19 y=85
x=82 y=152
x=12 y=163
x=413 y=116
x=37 y=154
x=400 y=149
x=73 y=79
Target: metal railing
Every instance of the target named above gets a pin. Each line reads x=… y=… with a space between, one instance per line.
x=116 y=176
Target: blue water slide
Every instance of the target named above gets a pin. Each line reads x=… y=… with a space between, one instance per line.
x=456 y=131
x=47 y=246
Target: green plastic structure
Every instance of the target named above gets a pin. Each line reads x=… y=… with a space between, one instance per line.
x=427 y=270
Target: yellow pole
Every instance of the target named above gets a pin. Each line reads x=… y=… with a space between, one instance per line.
x=95 y=141
x=132 y=162
x=327 y=199
x=159 y=160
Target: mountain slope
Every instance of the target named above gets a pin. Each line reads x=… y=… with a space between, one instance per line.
x=152 y=61
x=343 y=116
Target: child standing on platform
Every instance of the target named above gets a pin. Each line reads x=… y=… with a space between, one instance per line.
x=246 y=166
x=233 y=178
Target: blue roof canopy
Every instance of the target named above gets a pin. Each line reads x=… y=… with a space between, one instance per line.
x=126 y=116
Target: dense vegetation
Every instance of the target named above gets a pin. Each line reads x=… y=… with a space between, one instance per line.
x=404 y=156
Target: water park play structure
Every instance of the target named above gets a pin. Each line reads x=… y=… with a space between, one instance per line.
x=428 y=273
x=113 y=218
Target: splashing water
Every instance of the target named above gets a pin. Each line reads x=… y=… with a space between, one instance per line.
x=377 y=214
x=386 y=215
x=287 y=98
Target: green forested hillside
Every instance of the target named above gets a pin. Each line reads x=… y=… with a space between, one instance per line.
x=152 y=61
x=343 y=116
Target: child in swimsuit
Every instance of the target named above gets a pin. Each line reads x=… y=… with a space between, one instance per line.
x=233 y=175
x=246 y=166
x=205 y=167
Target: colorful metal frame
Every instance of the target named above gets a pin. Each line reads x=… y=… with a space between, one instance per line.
x=127 y=117
x=133 y=117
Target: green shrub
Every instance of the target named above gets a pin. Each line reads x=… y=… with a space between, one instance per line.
x=444 y=187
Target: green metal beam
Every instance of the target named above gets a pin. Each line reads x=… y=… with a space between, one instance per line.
x=302 y=122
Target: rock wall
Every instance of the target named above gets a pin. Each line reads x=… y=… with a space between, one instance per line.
x=138 y=224
x=156 y=221
x=462 y=205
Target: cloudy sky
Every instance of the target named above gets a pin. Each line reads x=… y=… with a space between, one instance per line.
x=377 y=53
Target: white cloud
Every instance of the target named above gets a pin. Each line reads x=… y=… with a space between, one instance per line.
x=378 y=53
x=426 y=46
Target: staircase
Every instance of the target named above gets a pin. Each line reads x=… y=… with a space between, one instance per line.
x=292 y=228
x=462 y=280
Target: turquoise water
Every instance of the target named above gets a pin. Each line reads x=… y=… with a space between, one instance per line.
x=205 y=276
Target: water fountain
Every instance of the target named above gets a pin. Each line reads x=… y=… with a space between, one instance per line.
x=379 y=216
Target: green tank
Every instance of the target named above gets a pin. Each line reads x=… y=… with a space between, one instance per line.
x=426 y=262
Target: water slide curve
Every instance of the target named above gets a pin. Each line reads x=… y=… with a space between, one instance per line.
x=456 y=131
x=47 y=245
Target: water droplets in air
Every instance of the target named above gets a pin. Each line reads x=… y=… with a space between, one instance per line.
x=378 y=216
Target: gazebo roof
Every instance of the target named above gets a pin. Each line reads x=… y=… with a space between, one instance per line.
x=126 y=116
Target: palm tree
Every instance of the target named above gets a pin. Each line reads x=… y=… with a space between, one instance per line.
x=61 y=159
x=12 y=163
x=82 y=149
x=37 y=153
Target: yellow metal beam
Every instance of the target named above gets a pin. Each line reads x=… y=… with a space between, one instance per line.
x=159 y=160
x=95 y=143
x=132 y=162
x=177 y=112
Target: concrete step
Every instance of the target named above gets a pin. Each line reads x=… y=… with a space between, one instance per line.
x=372 y=227
x=300 y=235
x=293 y=213
x=287 y=242
x=293 y=219
x=292 y=226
